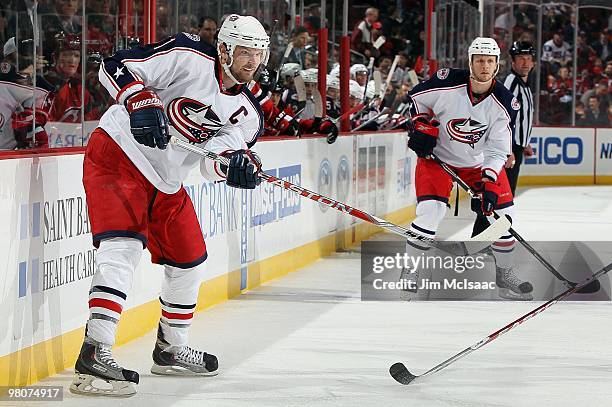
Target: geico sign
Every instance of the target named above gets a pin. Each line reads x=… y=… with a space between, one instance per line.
x=555 y=150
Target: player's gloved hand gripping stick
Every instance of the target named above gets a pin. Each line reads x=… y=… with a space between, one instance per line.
x=474 y=245
x=241 y=169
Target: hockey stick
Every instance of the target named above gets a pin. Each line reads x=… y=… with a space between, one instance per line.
x=377 y=84
x=282 y=62
x=349 y=113
x=32 y=7
x=593 y=287
x=460 y=248
x=401 y=373
x=391 y=72
x=370 y=67
x=300 y=88
x=377 y=44
x=318 y=104
x=362 y=125
x=399 y=123
x=414 y=79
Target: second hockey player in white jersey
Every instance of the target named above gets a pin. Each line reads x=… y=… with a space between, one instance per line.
x=466 y=118
x=133 y=182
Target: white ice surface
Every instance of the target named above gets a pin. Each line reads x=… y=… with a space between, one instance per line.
x=308 y=340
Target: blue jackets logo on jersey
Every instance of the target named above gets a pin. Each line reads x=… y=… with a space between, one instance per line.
x=443 y=73
x=194 y=120
x=466 y=131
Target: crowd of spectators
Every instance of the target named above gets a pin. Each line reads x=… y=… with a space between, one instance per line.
x=71 y=77
x=593 y=86
x=401 y=25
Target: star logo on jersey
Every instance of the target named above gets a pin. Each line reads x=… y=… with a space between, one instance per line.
x=192 y=37
x=118 y=72
x=468 y=131
x=194 y=120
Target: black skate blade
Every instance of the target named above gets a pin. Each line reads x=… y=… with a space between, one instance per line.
x=401 y=374
x=592 y=287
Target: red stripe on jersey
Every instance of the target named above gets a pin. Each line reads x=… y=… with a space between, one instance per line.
x=255 y=88
x=126 y=87
x=172 y=315
x=504 y=244
x=103 y=303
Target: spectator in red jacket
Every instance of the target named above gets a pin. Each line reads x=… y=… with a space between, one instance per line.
x=65 y=77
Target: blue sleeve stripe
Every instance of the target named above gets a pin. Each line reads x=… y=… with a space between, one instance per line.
x=257 y=108
x=508 y=116
x=111 y=64
x=504 y=109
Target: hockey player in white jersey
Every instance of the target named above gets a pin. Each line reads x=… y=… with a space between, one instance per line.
x=23 y=110
x=133 y=182
x=20 y=125
x=466 y=118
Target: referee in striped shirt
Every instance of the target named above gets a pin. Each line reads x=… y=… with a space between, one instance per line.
x=523 y=61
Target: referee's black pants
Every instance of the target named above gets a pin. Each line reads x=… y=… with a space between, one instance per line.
x=513 y=173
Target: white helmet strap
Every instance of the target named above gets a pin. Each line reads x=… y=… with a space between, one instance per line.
x=226 y=67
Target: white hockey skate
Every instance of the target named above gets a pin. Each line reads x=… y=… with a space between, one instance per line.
x=181 y=360
x=97 y=373
x=510 y=287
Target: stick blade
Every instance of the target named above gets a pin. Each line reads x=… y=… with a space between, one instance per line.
x=377 y=83
x=318 y=103
x=300 y=88
x=288 y=50
x=479 y=242
x=493 y=232
x=379 y=42
x=401 y=374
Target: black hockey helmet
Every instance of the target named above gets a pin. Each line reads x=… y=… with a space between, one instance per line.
x=278 y=88
x=266 y=79
x=522 y=48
